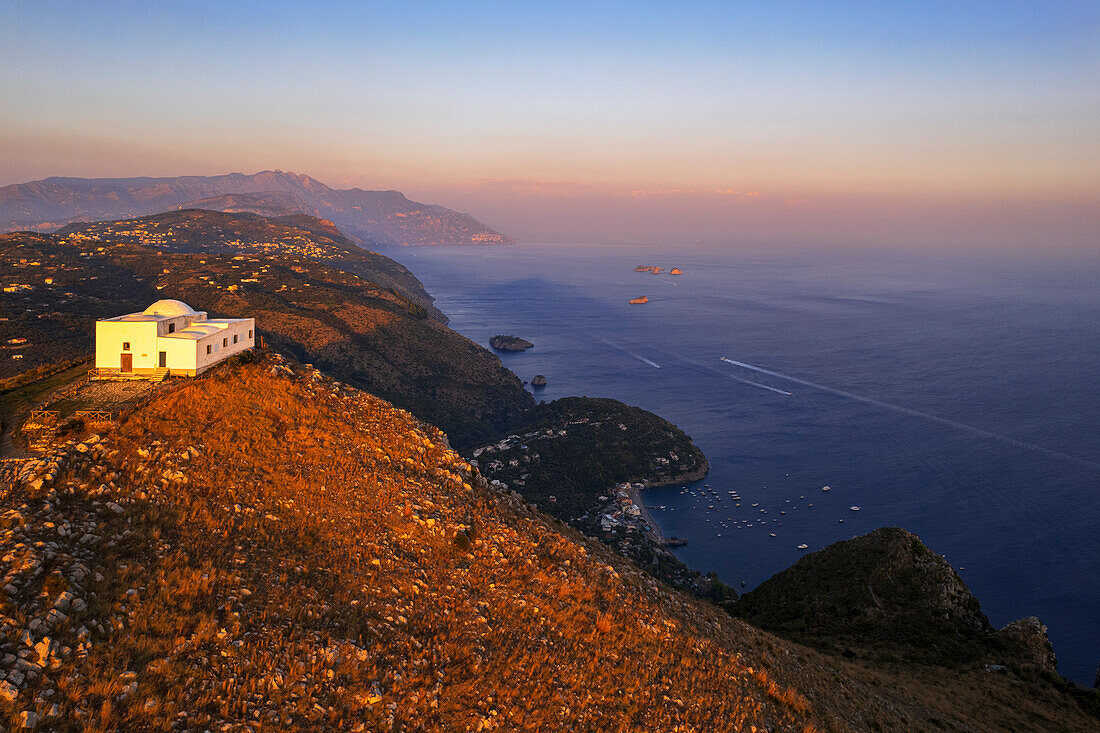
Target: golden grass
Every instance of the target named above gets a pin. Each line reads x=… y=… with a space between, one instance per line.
x=291 y=554
x=307 y=557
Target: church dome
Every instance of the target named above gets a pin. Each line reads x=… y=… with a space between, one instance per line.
x=169 y=308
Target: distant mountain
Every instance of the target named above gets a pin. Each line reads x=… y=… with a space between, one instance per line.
x=371 y=218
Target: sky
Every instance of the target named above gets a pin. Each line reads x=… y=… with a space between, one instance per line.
x=922 y=124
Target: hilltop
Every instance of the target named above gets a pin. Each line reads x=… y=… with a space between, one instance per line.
x=315 y=295
x=372 y=218
x=313 y=558
x=887 y=594
x=886 y=597
x=264 y=548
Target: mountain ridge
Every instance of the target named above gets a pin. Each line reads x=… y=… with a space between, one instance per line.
x=371 y=218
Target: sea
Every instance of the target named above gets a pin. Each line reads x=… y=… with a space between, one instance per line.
x=957 y=398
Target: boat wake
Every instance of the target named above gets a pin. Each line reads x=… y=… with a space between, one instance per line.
x=917 y=413
x=644 y=360
x=742 y=380
x=621 y=350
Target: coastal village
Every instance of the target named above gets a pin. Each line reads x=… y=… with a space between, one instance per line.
x=621 y=514
x=183 y=236
x=615 y=514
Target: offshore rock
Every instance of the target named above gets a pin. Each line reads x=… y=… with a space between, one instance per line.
x=510 y=343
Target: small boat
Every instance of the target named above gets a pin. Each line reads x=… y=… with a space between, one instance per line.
x=771 y=534
x=824 y=488
x=676 y=271
x=854 y=508
x=639 y=301
x=803 y=547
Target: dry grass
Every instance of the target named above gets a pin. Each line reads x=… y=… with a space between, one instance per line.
x=321 y=560
x=285 y=553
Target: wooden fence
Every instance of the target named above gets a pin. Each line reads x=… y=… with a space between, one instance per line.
x=94 y=415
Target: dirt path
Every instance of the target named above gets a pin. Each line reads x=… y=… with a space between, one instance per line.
x=15 y=404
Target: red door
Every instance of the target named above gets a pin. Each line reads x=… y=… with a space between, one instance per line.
x=127 y=362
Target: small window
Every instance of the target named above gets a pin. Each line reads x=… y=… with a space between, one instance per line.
x=171 y=328
x=209 y=348
x=225 y=342
x=234 y=338
x=250 y=333
x=125 y=345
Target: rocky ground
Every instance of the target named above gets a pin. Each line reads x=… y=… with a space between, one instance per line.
x=312 y=558
x=264 y=548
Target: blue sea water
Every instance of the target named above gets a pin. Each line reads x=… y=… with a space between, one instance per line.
x=960 y=400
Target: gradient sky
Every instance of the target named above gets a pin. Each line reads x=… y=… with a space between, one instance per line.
x=934 y=122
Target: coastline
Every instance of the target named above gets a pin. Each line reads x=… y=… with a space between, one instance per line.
x=636 y=495
x=654 y=530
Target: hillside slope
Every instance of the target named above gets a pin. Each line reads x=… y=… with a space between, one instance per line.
x=203 y=231
x=263 y=546
x=296 y=276
x=372 y=218
x=882 y=590
x=265 y=549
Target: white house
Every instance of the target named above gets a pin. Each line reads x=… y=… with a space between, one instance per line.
x=169 y=335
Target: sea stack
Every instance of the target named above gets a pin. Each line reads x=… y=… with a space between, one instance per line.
x=538 y=381
x=510 y=343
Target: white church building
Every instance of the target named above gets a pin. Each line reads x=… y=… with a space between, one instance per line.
x=169 y=337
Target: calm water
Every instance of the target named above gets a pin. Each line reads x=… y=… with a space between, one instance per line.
x=960 y=401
